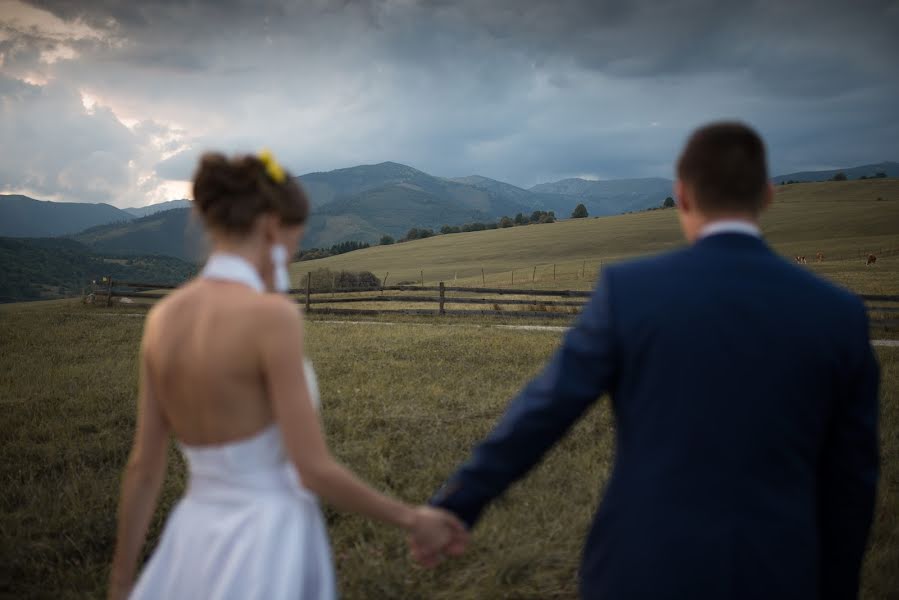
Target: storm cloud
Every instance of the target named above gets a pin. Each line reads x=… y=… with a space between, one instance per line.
x=113 y=101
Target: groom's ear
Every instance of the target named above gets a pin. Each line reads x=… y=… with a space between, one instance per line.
x=682 y=196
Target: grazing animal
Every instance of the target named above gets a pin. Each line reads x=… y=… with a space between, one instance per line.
x=801 y=260
x=819 y=257
x=871 y=260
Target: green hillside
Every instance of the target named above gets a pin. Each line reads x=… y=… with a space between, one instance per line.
x=44 y=268
x=21 y=216
x=151 y=209
x=171 y=233
x=365 y=202
x=840 y=219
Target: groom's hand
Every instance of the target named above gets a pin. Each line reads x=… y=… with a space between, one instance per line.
x=436 y=533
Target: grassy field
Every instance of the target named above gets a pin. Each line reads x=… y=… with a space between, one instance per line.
x=68 y=377
x=841 y=219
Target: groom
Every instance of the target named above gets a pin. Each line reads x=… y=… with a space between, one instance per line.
x=745 y=397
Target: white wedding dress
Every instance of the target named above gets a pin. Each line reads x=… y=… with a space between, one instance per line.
x=246 y=527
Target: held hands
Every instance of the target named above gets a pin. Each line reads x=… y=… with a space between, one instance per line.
x=435 y=534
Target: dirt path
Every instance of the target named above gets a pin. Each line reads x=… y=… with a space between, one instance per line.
x=550 y=328
x=553 y=328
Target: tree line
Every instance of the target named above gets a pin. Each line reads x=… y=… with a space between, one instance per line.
x=341 y=248
x=841 y=176
x=420 y=233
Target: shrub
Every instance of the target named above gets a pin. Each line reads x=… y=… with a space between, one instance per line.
x=580 y=212
x=326 y=280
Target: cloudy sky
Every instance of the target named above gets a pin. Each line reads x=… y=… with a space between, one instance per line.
x=110 y=101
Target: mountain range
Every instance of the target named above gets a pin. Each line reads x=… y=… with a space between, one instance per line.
x=21 y=216
x=145 y=211
x=359 y=203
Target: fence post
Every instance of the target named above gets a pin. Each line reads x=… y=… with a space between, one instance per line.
x=442 y=298
x=308 y=292
x=385 y=280
x=109 y=292
x=422 y=279
x=483 y=277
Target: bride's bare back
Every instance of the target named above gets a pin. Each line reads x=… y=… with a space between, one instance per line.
x=202 y=352
x=221 y=361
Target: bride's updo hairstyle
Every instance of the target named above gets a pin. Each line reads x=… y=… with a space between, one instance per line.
x=230 y=193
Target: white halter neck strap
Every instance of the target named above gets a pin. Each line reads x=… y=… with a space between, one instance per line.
x=230 y=267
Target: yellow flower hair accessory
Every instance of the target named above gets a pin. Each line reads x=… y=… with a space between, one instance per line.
x=272 y=168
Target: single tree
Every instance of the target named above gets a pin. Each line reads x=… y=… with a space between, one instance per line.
x=386 y=240
x=668 y=203
x=580 y=212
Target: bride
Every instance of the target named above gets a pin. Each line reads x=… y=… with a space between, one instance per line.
x=222 y=370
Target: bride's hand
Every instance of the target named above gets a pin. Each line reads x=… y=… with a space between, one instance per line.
x=435 y=533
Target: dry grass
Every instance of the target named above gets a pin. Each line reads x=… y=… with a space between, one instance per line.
x=842 y=219
x=402 y=406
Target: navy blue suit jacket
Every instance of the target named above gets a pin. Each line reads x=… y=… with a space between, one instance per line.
x=745 y=397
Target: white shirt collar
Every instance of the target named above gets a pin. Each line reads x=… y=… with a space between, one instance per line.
x=730 y=226
x=231 y=267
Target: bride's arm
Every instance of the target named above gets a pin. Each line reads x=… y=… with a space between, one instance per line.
x=141 y=484
x=281 y=338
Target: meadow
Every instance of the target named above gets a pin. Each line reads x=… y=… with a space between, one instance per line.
x=404 y=399
x=845 y=220
x=68 y=377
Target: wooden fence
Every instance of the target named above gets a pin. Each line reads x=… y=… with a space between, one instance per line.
x=883 y=310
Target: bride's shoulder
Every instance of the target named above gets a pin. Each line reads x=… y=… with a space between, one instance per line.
x=275 y=309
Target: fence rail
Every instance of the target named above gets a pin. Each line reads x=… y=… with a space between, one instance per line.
x=534 y=303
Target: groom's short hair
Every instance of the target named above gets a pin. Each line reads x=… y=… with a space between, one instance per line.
x=725 y=165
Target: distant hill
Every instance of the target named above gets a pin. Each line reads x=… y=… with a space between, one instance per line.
x=890 y=168
x=365 y=202
x=45 y=268
x=531 y=200
x=171 y=233
x=611 y=196
x=145 y=211
x=21 y=216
